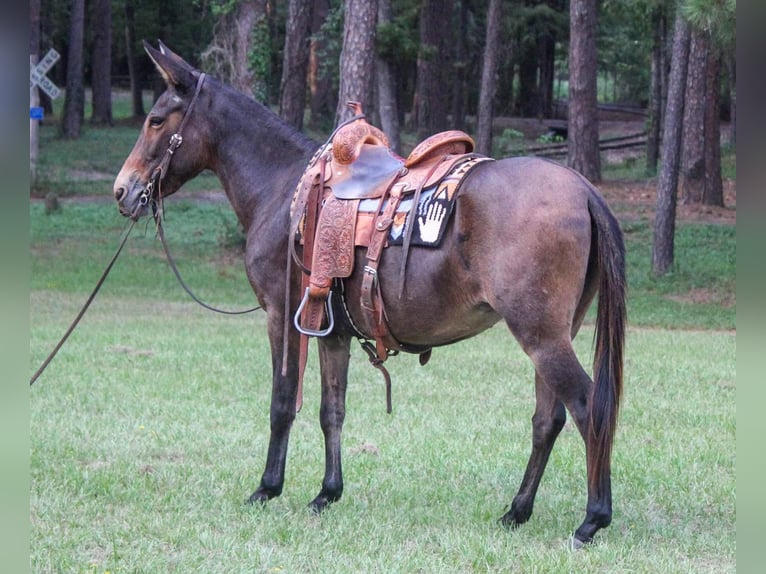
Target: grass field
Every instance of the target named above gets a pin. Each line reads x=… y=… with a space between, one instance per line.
x=149 y=428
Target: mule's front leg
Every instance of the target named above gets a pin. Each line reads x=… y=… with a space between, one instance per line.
x=284 y=392
x=333 y=360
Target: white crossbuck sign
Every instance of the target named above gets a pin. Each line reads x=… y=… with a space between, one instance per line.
x=37 y=74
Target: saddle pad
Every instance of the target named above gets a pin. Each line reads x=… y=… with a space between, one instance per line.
x=433 y=211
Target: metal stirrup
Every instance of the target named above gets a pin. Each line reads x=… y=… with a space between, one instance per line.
x=309 y=332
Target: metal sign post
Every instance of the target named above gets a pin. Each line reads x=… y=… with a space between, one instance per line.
x=38 y=79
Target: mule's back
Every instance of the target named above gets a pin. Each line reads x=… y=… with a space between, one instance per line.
x=518 y=247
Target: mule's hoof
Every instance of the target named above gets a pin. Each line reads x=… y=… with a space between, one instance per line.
x=321 y=502
x=258 y=497
x=513 y=519
x=577 y=544
x=508 y=521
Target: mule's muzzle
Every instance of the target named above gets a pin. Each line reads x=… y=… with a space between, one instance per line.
x=132 y=199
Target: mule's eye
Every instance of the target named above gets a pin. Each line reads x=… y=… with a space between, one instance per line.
x=156 y=121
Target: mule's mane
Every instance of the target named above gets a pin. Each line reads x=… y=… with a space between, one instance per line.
x=264 y=121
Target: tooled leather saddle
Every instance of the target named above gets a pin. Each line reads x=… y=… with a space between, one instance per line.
x=357 y=165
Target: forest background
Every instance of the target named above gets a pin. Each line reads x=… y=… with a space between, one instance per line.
x=422 y=66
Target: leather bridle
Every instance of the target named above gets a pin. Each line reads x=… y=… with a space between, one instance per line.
x=153 y=194
x=152 y=191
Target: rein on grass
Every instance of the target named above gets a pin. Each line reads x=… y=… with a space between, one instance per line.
x=92 y=296
x=171 y=262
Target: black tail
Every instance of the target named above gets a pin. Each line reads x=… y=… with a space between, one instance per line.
x=611 y=320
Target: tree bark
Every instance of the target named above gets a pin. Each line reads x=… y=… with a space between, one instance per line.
x=488 y=79
x=732 y=60
x=322 y=102
x=431 y=106
x=692 y=176
x=459 y=86
x=547 y=45
x=655 y=96
x=713 y=191
x=136 y=92
x=292 y=90
x=386 y=83
x=228 y=54
x=74 y=103
x=528 y=97
x=583 y=152
x=665 y=213
x=101 y=63
x=357 y=58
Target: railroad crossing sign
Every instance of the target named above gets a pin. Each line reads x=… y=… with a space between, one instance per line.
x=38 y=78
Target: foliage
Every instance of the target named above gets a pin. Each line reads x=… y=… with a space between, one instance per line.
x=331 y=36
x=718 y=17
x=260 y=60
x=625 y=47
x=397 y=41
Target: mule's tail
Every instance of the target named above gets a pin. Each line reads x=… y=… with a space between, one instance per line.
x=609 y=336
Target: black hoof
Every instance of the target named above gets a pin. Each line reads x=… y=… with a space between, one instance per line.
x=260 y=496
x=321 y=502
x=514 y=518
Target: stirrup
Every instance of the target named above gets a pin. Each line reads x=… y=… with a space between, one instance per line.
x=328 y=310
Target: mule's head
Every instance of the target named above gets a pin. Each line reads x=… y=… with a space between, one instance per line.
x=151 y=171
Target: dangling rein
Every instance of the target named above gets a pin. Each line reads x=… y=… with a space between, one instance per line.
x=147 y=196
x=79 y=316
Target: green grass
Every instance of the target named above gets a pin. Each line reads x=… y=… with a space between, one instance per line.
x=149 y=428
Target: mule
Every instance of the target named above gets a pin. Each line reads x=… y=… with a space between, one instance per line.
x=530 y=243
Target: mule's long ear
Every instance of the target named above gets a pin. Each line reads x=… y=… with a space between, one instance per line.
x=168 y=52
x=176 y=72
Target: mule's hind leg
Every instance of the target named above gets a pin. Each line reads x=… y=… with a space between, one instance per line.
x=334 y=353
x=547 y=422
x=560 y=369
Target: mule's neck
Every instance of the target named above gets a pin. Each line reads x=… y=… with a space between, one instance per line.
x=257 y=156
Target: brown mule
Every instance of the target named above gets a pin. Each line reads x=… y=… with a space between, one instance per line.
x=530 y=243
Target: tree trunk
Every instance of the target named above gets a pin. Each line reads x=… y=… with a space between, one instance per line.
x=433 y=73
x=322 y=102
x=459 y=88
x=228 y=54
x=34 y=98
x=357 y=57
x=292 y=90
x=713 y=192
x=655 y=96
x=692 y=176
x=136 y=93
x=387 y=105
x=528 y=97
x=583 y=152
x=547 y=71
x=101 y=63
x=665 y=213
x=733 y=99
x=488 y=79
x=74 y=103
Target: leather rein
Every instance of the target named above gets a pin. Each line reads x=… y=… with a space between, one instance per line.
x=150 y=194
